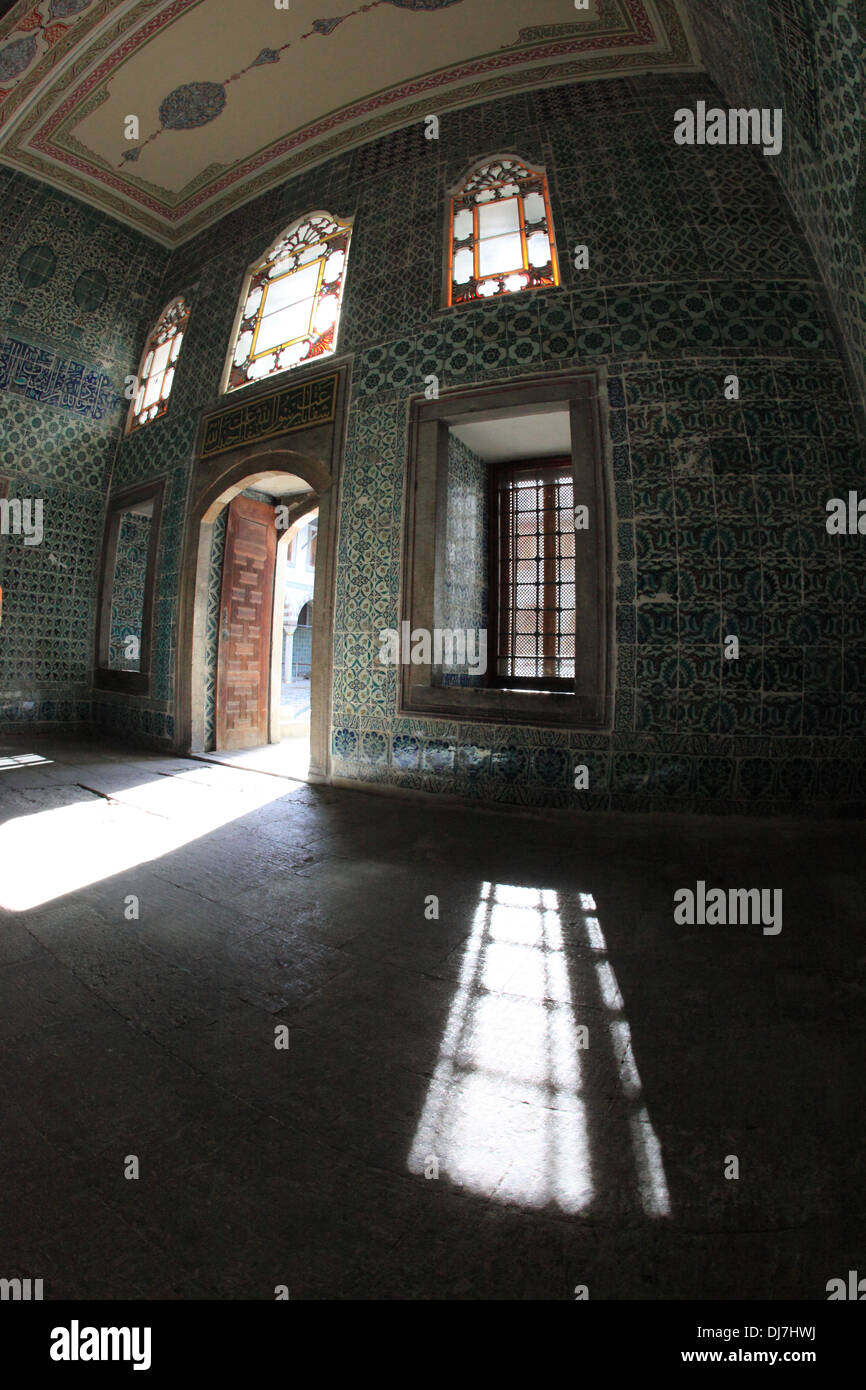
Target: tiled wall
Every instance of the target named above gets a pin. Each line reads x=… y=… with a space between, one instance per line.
x=807 y=56
x=128 y=590
x=75 y=295
x=697 y=270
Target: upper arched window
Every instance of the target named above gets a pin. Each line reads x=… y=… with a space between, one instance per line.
x=501 y=233
x=158 y=363
x=290 y=306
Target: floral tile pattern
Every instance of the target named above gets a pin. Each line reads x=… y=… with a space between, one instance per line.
x=696 y=271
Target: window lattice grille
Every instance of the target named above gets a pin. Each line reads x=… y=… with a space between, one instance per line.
x=535 y=557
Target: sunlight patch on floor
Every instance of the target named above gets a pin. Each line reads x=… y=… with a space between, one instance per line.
x=505 y=1114
x=51 y=853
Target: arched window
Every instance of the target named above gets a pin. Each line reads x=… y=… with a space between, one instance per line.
x=158 y=363
x=290 y=306
x=500 y=233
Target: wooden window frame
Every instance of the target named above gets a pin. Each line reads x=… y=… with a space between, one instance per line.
x=557 y=683
x=342 y=230
x=457 y=194
x=589 y=703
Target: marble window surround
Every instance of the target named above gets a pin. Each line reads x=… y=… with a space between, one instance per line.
x=425 y=567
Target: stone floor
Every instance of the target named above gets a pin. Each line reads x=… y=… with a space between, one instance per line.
x=574 y=1066
x=288 y=758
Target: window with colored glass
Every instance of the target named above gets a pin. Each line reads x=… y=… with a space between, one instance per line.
x=501 y=233
x=158 y=365
x=291 y=302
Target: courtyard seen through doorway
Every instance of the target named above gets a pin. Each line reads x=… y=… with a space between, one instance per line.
x=296 y=658
x=265 y=648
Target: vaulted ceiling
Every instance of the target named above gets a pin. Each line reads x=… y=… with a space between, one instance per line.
x=230 y=97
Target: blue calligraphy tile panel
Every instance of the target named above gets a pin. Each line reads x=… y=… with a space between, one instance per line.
x=39 y=374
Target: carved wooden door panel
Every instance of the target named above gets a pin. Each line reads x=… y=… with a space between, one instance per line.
x=246 y=610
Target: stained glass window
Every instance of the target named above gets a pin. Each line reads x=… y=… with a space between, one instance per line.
x=291 y=301
x=501 y=233
x=158 y=364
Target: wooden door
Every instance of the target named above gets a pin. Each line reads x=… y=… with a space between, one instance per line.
x=246 y=609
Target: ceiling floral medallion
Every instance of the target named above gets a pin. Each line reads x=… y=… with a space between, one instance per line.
x=17 y=56
x=188 y=108
x=49 y=129
x=197 y=103
x=65 y=9
x=192 y=105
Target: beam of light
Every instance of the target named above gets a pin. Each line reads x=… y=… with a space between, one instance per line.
x=504 y=1116
x=48 y=854
x=8 y=762
x=652 y=1183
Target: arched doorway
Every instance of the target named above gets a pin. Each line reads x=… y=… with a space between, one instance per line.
x=260 y=564
x=237 y=447
x=298 y=666
x=297 y=488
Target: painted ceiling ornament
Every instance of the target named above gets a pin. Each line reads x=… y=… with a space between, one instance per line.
x=327 y=26
x=197 y=103
x=65 y=9
x=15 y=57
x=188 y=107
x=192 y=105
x=423 y=4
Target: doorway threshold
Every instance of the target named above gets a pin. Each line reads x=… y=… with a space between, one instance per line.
x=290 y=759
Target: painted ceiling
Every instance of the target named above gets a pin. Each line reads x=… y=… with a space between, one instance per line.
x=230 y=97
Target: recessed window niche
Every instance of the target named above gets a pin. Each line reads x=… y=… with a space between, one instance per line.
x=508 y=556
x=127 y=589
